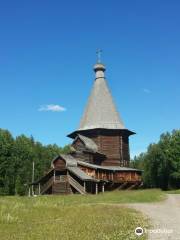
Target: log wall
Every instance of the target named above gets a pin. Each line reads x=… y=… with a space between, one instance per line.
x=115 y=145
x=117 y=176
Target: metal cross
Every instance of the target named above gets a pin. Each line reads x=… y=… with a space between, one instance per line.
x=99 y=51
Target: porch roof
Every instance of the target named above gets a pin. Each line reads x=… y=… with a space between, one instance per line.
x=110 y=168
x=81 y=174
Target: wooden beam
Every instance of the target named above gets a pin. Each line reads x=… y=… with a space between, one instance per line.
x=85 y=186
x=122 y=151
x=96 y=188
x=29 y=192
x=103 y=187
x=54 y=175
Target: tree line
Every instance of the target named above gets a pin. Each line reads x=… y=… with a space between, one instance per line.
x=16 y=158
x=161 y=162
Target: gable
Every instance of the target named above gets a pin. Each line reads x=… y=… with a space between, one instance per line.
x=83 y=143
x=78 y=144
x=58 y=162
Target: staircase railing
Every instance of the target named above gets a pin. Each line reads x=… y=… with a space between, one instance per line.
x=76 y=185
x=47 y=185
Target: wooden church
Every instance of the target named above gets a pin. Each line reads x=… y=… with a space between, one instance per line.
x=99 y=158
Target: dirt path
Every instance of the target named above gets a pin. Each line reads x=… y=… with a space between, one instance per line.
x=164 y=217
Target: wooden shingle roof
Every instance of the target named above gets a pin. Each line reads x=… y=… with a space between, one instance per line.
x=100 y=111
x=81 y=174
x=89 y=143
x=110 y=168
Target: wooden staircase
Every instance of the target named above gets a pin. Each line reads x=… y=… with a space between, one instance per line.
x=46 y=186
x=61 y=187
x=123 y=186
x=133 y=186
x=76 y=185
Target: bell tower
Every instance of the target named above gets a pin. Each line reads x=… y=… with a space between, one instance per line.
x=102 y=123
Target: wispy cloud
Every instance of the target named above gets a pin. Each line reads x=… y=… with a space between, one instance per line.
x=51 y=108
x=146 y=90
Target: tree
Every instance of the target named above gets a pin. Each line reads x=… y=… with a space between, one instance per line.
x=19 y=186
x=161 y=162
x=16 y=158
x=6 y=162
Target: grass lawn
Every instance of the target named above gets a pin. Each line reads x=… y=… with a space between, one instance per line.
x=74 y=217
x=174 y=191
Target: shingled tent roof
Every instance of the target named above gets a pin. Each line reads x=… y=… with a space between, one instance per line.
x=100 y=111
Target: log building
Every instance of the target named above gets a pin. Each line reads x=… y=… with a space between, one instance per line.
x=99 y=158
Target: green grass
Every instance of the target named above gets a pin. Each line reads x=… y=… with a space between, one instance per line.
x=74 y=217
x=152 y=195
x=174 y=191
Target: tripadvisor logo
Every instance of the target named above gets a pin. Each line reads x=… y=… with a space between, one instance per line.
x=139 y=231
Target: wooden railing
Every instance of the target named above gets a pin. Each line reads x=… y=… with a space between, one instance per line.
x=76 y=185
x=127 y=178
x=54 y=179
x=117 y=177
x=47 y=185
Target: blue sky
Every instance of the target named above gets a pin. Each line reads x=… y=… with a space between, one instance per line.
x=48 y=49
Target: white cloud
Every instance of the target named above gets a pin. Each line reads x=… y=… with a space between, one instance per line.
x=51 y=108
x=146 y=90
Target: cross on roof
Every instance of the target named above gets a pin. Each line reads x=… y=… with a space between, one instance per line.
x=98 y=52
